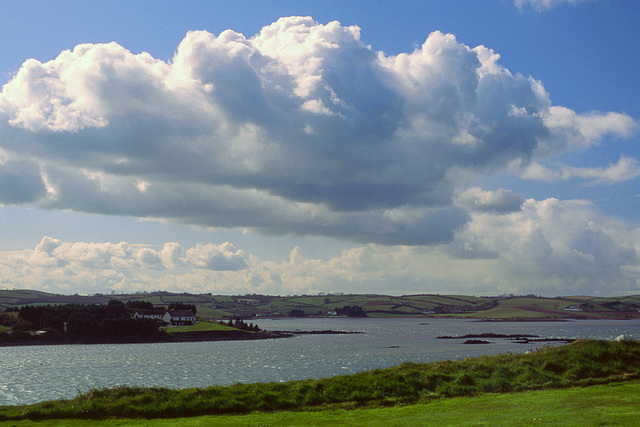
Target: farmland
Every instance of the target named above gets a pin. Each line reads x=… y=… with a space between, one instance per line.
x=503 y=307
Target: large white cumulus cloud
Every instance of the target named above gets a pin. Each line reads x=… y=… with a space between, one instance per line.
x=101 y=267
x=299 y=129
x=553 y=247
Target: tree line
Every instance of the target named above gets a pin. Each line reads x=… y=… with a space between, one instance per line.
x=241 y=324
x=146 y=305
x=112 y=320
x=347 y=310
x=351 y=311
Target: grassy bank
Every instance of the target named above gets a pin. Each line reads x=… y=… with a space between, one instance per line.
x=582 y=363
x=602 y=405
x=198 y=327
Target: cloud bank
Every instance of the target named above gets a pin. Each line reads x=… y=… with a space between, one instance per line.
x=510 y=245
x=299 y=129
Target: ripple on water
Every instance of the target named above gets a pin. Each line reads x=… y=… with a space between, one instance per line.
x=37 y=373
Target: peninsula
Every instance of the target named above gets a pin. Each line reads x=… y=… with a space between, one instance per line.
x=32 y=317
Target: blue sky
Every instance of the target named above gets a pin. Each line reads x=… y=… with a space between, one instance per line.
x=433 y=146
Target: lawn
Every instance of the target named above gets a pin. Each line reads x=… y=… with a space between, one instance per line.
x=611 y=404
x=552 y=370
x=198 y=327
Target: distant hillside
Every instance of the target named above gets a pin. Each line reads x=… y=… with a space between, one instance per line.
x=427 y=305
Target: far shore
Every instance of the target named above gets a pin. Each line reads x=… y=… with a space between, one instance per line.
x=198 y=336
x=240 y=335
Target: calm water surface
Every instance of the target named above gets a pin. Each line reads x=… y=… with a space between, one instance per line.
x=37 y=373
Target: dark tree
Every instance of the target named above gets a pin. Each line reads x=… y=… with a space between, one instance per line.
x=140 y=305
x=182 y=306
x=351 y=311
x=88 y=320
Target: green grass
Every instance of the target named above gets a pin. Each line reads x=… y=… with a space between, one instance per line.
x=213 y=313
x=449 y=299
x=527 y=308
x=309 y=301
x=22 y=293
x=199 y=327
x=582 y=363
x=610 y=404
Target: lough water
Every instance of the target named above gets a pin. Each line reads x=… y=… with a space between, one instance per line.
x=37 y=373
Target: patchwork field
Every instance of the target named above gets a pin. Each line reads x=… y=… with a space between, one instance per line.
x=424 y=305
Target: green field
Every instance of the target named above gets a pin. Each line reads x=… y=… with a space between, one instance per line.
x=198 y=327
x=553 y=308
x=527 y=308
x=23 y=293
x=422 y=305
x=614 y=404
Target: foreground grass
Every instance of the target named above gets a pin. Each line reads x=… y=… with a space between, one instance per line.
x=610 y=404
x=582 y=363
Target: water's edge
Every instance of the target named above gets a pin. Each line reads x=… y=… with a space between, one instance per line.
x=31 y=374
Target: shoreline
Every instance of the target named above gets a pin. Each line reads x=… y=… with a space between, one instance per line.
x=547 y=368
x=241 y=335
x=197 y=336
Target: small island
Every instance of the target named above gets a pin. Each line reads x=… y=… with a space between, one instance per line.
x=518 y=338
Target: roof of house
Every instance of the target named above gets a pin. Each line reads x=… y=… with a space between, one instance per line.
x=149 y=312
x=181 y=313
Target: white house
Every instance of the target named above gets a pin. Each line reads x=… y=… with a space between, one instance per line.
x=179 y=317
x=148 y=314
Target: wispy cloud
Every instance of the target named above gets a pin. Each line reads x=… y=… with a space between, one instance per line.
x=542 y=5
x=625 y=169
x=500 y=201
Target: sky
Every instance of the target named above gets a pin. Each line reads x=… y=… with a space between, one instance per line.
x=305 y=147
